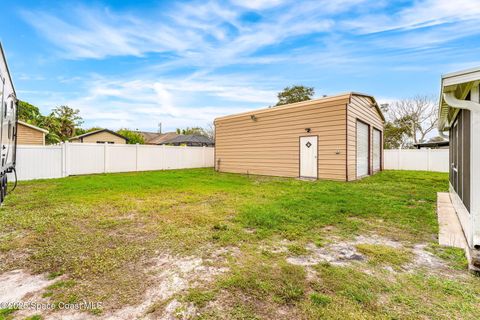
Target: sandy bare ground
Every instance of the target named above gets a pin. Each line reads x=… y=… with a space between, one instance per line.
x=18 y=284
x=172 y=275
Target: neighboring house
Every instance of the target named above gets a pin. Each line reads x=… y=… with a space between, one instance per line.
x=100 y=136
x=338 y=137
x=157 y=138
x=432 y=145
x=191 y=140
x=459 y=112
x=30 y=134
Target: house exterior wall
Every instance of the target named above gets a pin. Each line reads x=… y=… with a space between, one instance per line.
x=29 y=136
x=465 y=180
x=269 y=145
x=475 y=171
x=459 y=171
x=101 y=136
x=361 y=108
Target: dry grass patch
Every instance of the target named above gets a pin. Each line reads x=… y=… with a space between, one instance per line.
x=386 y=255
x=104 y=233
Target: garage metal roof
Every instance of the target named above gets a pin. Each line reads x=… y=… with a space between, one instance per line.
x=343 y=96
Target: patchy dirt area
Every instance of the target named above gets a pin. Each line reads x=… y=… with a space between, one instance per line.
x=17 y=284
x=342 y=253
x=170 y=275
x=220 y=249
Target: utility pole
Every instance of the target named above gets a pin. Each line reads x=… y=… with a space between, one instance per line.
x=159 y=127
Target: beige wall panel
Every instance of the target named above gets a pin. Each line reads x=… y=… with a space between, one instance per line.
x=29 y=136
x=102 y=136
x=270 y=145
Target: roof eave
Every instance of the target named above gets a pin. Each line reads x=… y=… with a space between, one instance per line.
x=32 y=126
x=449 y=85
x=341 y=96
x=98 y=131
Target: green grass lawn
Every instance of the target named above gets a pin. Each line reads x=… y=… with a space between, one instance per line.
x=100 y=232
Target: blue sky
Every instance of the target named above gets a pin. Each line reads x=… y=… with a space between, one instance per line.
x=136 y=63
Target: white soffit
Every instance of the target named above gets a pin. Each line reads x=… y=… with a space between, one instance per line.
x=451 y=83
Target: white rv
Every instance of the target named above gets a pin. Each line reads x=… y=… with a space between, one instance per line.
x=8 y=125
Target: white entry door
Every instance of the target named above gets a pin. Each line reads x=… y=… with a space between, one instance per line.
x=308 y=157
x=377 y=150
x=362 y=149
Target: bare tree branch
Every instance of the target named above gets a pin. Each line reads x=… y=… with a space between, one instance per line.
x=418 y=113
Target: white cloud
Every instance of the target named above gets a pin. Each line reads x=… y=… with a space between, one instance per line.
x=258 y=4
x=422 y=14
x=141 y=104
x=205 y=37
x=199 y=34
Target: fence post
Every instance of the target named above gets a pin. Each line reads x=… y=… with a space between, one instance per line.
x=204 y=156
x=399 y=157
x=66 y=159
x=164 y=155
x=105 y=157
x=62 y=159
x=428 y=159
x=136 y=156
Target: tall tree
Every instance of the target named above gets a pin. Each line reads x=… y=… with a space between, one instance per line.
x=51 y=124
x=62 y=123
x=436 y=139
x=210 y=131
x=132 y=136
x=420 y=112
x=28 y=112
x=294 y=94
x=409 y=121
x=68 y=120
x=397 y=134
x=192 y=130
x=79 y=131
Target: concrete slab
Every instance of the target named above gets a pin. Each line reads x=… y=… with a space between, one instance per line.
x=450 y=232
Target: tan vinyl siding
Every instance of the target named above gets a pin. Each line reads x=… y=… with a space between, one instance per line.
x=29 y=136
x=101 y=136
x=270 y=145
x=361 y=108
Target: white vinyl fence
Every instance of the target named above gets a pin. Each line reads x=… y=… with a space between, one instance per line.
x=41 y=162
x=417 y=159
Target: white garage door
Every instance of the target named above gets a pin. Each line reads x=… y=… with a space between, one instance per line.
x=362 y=149
x=377 y=149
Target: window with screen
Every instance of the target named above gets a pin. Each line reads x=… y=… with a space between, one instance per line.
x=460 y=156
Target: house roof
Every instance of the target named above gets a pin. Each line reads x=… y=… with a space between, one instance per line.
x=455 y=86
x=157 y=138
x=189 y=138
x=32 y=126
x=445 y=143
x=343 y=96
x=97 y=131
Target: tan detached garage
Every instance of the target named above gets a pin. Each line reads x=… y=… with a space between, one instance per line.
x=338 y=137
x=30 y=134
